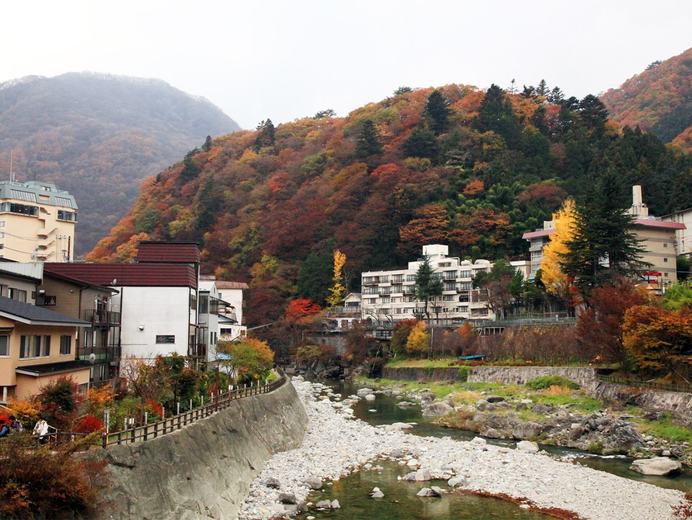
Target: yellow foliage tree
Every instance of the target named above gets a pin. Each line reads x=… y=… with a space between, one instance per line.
x=337 y=292
x=557 y=282
x=418 y=341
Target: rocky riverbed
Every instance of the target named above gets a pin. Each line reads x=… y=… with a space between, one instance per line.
x=336 y=444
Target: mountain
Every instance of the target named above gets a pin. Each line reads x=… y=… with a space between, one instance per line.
x=658 y=100
x=471 y=168
x=98 y=136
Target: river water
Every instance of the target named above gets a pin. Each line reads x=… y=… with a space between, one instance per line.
x=400 y=499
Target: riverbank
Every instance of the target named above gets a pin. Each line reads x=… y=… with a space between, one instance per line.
x=558 y=415
x=336 y=445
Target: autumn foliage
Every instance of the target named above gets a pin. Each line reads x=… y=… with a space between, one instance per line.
x=302 y=311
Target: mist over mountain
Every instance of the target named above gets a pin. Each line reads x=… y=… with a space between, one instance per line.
x=98 y=136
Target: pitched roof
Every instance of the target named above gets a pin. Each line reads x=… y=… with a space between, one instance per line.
x=663 y=224
x=33 y=315
x=150 y=251
x=132 y=275
x=222 y=284
x=79 y=282
x=53 y=368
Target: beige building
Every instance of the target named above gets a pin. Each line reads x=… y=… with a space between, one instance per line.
x=37 y=222
x=37 y=346
x=683 y=237
x=657 y=236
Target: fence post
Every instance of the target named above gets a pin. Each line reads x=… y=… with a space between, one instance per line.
x=156 y=429
x=177 y=407
x=132 y=434
x=104 y=439
x=146 y=425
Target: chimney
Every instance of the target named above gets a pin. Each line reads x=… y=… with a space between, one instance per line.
x=639 y=209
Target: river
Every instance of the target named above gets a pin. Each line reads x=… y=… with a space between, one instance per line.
x=400 y=499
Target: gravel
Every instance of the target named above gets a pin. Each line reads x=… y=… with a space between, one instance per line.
x=336 y=444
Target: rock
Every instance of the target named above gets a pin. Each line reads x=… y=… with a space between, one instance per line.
x=543 y=409
x=370 y=397
x=456 y=481
x=335 y=504
x=422 y=475
x=412 y=463
x=272 y=483
x=314 y=483
x=434 y=491
x=658 y=466
x=665 y=453
x=494 y=399
x=478 y=441
x=482 y=405
x=437 y=408
x=362 y=392
x=405 y=404
x=376 y=493
x=527 y=446
x=323 y=504
x=397 y=453
x=287 y=498
x=400 y=426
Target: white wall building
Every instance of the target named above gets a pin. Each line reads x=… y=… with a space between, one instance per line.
x=683 y=237
x=388 y=296
x=231 y=324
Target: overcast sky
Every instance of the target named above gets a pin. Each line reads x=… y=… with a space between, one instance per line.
x=290 y=58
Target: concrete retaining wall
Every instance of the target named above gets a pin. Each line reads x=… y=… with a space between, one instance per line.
x=521 y=375
x=422 y=374
x=205 y=469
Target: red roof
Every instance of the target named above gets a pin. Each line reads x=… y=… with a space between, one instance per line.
x=538 y=233
x=663 y=224
x=222 y=284
x=133 y=275
x=151 y=251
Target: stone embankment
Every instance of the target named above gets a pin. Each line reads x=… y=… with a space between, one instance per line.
x=336 y=444
x=205 y=469
x=653 y=400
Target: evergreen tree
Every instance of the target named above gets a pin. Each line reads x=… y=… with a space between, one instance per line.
x=421 y=143
x=538 y=120
x=190 y=168
x=207 y=144
x=603 y=246
x=428 y=285
x=207 y=207
x=402 y=90
x=593 y=113
x=542 y=89
x=315 y=275
x=265 y=135
x=496 y=115
x=437 y=112
x=368 y=141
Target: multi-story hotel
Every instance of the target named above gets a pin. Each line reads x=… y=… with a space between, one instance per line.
x=37 y=222
x=657 y=238
x=389 y=296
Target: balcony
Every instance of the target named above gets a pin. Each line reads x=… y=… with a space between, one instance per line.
x=109 y=354
x=101 y=318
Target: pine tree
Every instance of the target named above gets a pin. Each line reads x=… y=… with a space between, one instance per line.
x=368 y=141
x=437 y=112
x=593 y=113
x=542 y=89
x=604 y=246
x=265 y=135
x=207 y=144
x=427 y=285
x=421 y=143
x=497 y=115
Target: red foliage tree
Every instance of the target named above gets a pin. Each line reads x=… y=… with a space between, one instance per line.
x=301 y=311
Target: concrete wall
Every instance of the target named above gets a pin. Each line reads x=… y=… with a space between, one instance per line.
x=520 y=375
x=205 y=469
x=422 y=374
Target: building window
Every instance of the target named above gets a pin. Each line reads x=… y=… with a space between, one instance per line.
x=17 y=294
x=33 y=347
x=45 y=346
x=665 y=260
x=65 y=344
x=21 y=209
x=67 y=215
x=165 y=339
x=203 y=304
x=4 y=345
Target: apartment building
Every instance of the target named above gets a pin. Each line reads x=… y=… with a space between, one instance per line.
x=231 y=325
x=99 y=342
x=218 y=318
x=388 y=296
x=37 y=222
x=657 y=236
x=36 y=347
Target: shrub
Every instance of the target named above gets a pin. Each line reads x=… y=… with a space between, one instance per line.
x=463 y=374
x=89 y=424
x=251 y=359
x=418 y=341
x=59 y=402
x=545 y=382
x=47 y=481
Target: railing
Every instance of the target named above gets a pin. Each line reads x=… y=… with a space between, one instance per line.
x=670 y=387
x=174 y=423
x=102 y=317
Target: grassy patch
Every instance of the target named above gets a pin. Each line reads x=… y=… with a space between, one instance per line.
x=666 y=428
x=545 y=382
x=578 y=401
x=423 y=363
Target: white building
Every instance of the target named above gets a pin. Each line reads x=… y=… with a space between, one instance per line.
x=231 y=325
x=389 y=296
x=683 y=237
x=157 y=298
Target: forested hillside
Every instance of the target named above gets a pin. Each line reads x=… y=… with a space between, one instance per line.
x=457 y=165
x=658 y=100
x=98 y=136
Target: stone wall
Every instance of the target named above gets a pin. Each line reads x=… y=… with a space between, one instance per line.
x=521 y=375
x=422 y=374
x=205 y=469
